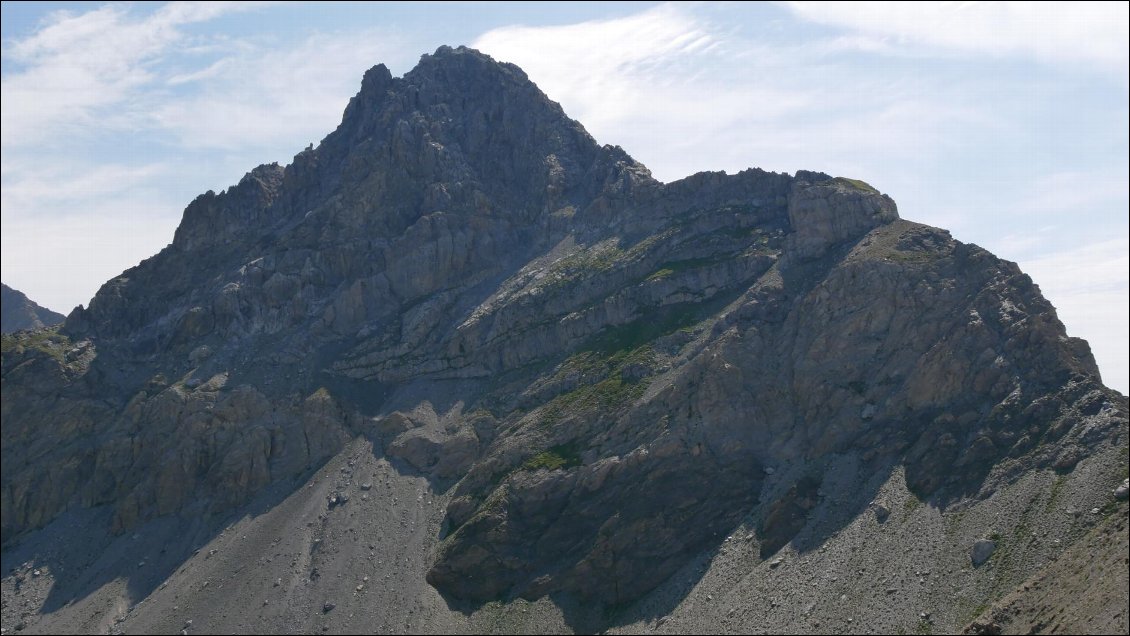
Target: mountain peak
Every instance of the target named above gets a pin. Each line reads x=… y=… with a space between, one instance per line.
x=467 y=60
x=471 y=123
x=596 y=379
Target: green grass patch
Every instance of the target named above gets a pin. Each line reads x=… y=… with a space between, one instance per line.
x=743 y=232
x=910 y=257
x=911 y=504
x=977 y=611
x=857 y=184
x=561 y=456
x=1008 y=557
x=48 y=341
x=670 y=268
x=606 y=396
x=690 y=263
x=953 y=521
x=630 y=336
x=1056 y=492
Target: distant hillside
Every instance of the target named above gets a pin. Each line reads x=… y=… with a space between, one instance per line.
x=17 y=312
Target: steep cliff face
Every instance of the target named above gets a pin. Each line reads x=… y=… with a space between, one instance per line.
x=604 y=374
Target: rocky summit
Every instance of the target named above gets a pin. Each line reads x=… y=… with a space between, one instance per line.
x=460 y=368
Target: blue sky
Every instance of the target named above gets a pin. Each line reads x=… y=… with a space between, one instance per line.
x=1004 y=123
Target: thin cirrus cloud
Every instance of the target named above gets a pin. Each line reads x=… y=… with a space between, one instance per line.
x=108 y=70
x=641 y=76
x=76 y=67
x=69 y=225
x=203 y=74
x=601 y=65
x=273 y=97
x=54 y=182
x=1090 y=33
x=683 y=94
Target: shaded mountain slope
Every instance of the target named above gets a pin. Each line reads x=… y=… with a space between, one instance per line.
x=20 y=312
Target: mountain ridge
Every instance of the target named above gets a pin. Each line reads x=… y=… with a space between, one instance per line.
x=20 y=312
x=570 y=354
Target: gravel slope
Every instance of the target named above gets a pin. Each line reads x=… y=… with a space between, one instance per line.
x=276 y=566
x=1084 y=591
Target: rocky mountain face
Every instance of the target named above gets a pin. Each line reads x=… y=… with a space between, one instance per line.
x=18 y=312
x=544 y=375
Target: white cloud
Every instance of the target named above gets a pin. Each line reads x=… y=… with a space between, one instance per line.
x=42 y=183
x=601 y=65
x=1090 y=33
x=647 y=76
x=110 y=70
x=683 y=95
x=76 y=66
x=69 y=226
x=1031 y=216
x=195 y=76
x=281 y=96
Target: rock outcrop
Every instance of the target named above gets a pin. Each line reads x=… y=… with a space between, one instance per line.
x=607 y=374
x=19 y=312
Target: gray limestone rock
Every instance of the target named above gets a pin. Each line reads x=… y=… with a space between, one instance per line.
x=981 y=551
x=1122 y=492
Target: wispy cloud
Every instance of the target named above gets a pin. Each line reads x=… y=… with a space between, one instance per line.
x=109 y=70
x=599 y=65
x=265 y=95
x=69 y=73
x=684 y=94
x=630 y=78
x=1089 y=33
x=208 y=72
x=31 y=184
